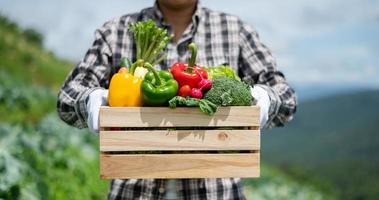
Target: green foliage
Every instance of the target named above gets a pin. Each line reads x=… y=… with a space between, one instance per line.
x=33 y=36
x=274 y=184
x=40 y=156
x=332 y=141
x=8 y=24
x=205 y=106
x=23 y=103
x=49 y=161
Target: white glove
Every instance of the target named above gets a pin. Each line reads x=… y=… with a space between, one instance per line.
x=96 y=99
x=263 y=101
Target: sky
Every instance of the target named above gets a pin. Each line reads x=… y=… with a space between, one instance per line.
x=329 y=43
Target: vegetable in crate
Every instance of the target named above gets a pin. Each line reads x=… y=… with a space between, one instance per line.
x=150 y=41
x=158 y=87
x=222 y=70
x=190 y=75
x=184 y=91
x=125 y=88
x=204 y=105
x=197 y=92
x=229 y=92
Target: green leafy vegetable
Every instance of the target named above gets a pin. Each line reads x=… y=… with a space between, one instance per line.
x=229 y=92
x=204 y=105
x=220 y=71
x=150 y=41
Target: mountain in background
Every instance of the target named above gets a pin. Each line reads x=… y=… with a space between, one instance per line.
x=333 y=141
x=307 y=92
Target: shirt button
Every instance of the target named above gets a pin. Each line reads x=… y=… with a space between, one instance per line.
x=161 y=190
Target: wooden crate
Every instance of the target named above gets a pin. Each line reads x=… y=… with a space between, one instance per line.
x=159 y=142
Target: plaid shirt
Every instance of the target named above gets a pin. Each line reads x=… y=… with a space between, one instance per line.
x=221 y=39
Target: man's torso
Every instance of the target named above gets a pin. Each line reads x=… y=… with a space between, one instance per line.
x=217 y=37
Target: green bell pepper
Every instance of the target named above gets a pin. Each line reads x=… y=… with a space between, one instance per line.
x=158 y=87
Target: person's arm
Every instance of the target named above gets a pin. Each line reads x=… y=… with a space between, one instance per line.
x=90 y=74
x=257 y=64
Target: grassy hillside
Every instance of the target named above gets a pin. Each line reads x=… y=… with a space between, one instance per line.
x=29 y=75
x=335 y=139
x=22 y=57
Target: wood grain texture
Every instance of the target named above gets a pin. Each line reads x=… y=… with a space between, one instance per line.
x=233 y=116
x=179 y=140
x=179 y=166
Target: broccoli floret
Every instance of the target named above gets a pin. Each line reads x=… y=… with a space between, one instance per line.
x=229 y=92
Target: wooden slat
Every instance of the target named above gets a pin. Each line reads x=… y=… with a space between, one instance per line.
x=179 y=140
x=179 y=165
x=234 y=116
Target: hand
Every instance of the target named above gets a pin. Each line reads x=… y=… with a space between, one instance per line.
x=96 y=99
x=263 y=101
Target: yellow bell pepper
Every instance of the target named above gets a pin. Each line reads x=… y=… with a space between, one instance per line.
x=125 y=89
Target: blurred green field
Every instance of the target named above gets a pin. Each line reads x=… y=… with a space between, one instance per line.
x=40 y=156
x=43 y=158
x=335 y=139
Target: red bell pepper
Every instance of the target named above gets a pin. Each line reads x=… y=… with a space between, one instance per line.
x=189 y=73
